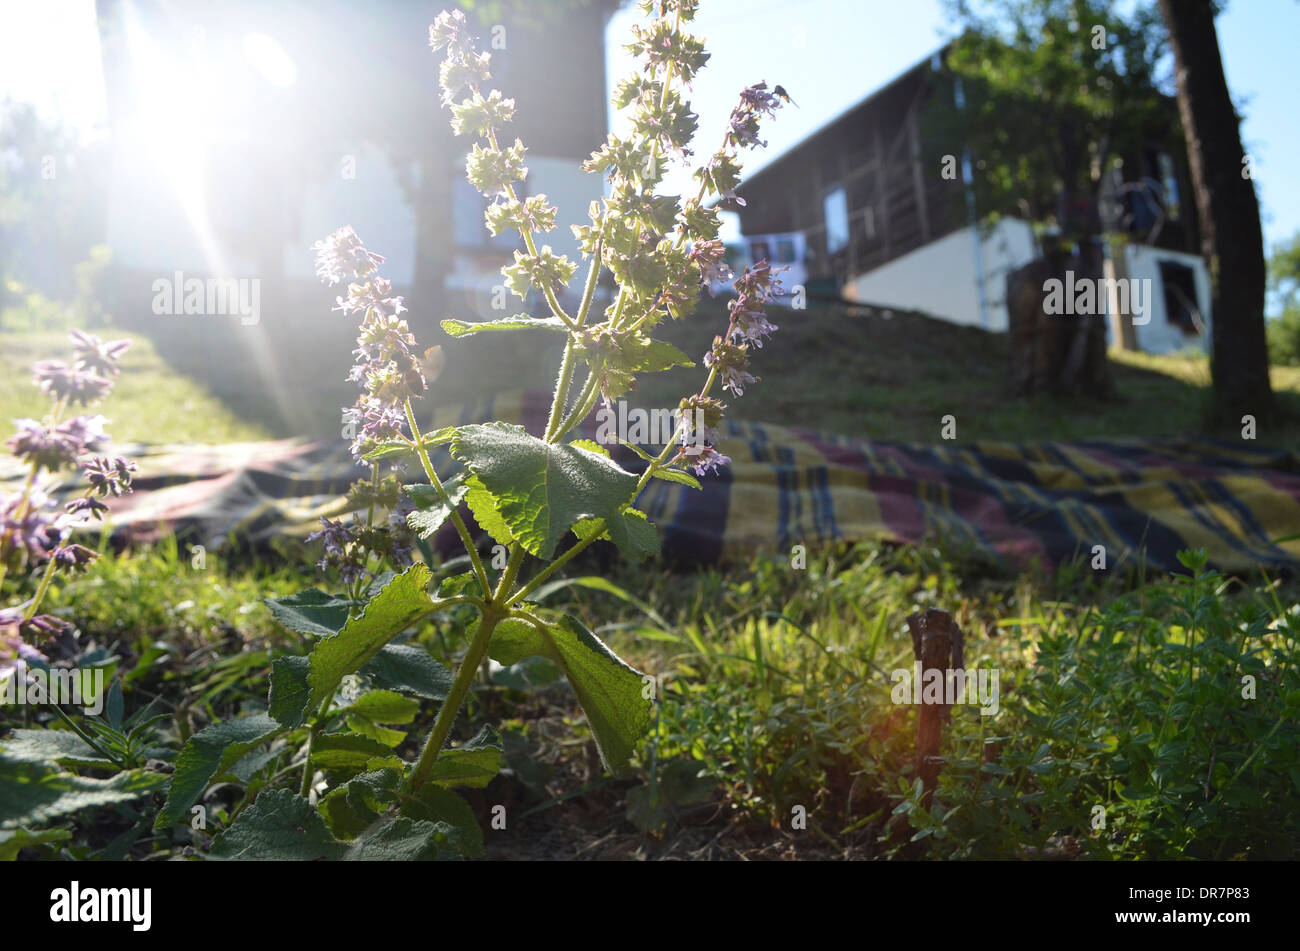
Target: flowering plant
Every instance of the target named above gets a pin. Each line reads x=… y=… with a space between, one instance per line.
x=529 y=493
x=34 y=529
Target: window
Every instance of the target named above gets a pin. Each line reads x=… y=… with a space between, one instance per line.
x=785 y=251
x=468 y=228
x=835 y=206
x=1179 y=285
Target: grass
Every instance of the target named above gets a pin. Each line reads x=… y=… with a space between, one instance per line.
x=150 y=403
x=827 y=369
x=775 y=693
x=774 y=681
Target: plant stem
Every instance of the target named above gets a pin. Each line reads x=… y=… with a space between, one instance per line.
x=492 y=615
x=305 y=788
x=86 y=737
x=42 y=590
x=451 y=706
x=465 y=537
x=581 y=407
x=561 y=396
x=554 y=429
x=549 y=570
x=527 y=235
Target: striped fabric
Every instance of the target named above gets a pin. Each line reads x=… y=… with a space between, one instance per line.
x=1048 y=503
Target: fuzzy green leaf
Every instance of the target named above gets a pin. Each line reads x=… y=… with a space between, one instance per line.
x=209 y=753
x=459 y=829
x=310 y=612
x=398 y=605
x=430 y=510
x=407 y=668
x=11 y=841
x=33 y=793
x=398 y=840
x=51 y=746
x=352 y=808
x=540 y=489
x=677 y=475
x=289 y=690
x=462 y=328
x=278 y=827
x=473 y=764
x=611 y=692
x=384 y=706
x=346 y=750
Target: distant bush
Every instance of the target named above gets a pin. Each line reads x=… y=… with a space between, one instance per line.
x=92 y=288
x=1284 y=339
x=25 y=309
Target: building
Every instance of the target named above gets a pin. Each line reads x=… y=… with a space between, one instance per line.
x=886 y=223
x=245 y=131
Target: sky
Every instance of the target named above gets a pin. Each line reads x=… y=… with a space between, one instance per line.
x=829 y=54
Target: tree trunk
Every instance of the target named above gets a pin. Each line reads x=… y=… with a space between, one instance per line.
x=1055 y=353
x=1231 y=242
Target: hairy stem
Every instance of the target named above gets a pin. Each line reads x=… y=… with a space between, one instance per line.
x=459 y=522
x=561 y=397
x=451 y=706
x=41 y=591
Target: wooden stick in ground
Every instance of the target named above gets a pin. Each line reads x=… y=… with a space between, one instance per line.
x=937 y=642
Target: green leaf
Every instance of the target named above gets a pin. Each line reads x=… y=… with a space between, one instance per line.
x=278 y=827
x=51 y=746
x=398 y=447
x=392 y=738
x=484 y=507
x=430 y=511
x=401 y=602
x=473 y=764
x=384 y=706
x=540 y=489
x=289 y=691
x=677 y=475
x=310 y=612
x=345 y=750
x=209 y=753
x=33 y=793
x=398 y=840
x=597 y=583
x=657 y=356
x=635 y=536
x=461 y=328
x=459 y=829
x=629 y=530
x=611 y=692
x=352 y=808
x=528 y=674
x=409 y=669
x=11 y=841
x=113 y=705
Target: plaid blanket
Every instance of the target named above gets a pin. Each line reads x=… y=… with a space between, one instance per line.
x=1020 y=503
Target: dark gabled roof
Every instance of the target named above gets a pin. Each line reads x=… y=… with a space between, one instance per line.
x=871 y=99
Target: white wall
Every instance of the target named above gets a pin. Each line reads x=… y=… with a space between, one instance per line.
x=571 y=191
x=372 y=201
x=1159 y=336
x=941 y=277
